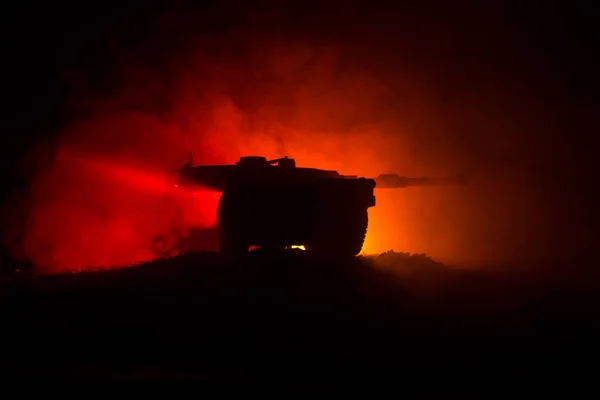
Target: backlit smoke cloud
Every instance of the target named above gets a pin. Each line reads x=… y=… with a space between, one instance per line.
x=331 y=103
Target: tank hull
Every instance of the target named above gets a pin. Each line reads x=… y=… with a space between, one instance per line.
x=328 y=215
x=274 y=204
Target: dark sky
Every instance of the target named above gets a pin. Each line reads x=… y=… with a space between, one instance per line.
x=535 y=55
x=550 y=47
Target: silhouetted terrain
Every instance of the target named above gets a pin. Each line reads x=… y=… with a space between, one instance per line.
x=296 y=317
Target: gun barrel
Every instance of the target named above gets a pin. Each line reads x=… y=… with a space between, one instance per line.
x=394 y=181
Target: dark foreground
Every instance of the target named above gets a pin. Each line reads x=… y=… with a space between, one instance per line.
x=294 y=317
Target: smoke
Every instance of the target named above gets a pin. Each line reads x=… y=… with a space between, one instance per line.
x=362 y=106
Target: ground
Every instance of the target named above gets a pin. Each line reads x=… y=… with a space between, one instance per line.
x=293 y=316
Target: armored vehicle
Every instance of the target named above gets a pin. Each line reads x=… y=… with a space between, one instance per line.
x=273 y=204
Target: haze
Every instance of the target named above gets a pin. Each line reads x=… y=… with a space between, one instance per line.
x=410 y=95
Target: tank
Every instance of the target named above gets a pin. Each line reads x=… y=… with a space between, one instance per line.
x=274 y=205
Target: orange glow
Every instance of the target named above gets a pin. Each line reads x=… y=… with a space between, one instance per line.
x=103 y=199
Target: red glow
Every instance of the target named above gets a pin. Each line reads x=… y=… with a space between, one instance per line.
x=104 y=198
x=94 y=212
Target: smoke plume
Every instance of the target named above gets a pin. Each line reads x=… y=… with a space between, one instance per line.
x=393 y=97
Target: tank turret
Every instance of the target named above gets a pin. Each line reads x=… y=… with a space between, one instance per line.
x=273 y=204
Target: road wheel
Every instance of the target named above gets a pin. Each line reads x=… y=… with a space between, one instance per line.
x=342 y=234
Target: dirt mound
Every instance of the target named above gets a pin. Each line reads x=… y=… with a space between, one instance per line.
x=198 y=316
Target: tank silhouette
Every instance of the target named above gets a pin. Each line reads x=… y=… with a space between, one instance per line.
x=272 y=204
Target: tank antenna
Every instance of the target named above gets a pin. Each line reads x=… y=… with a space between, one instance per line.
x=186 y=141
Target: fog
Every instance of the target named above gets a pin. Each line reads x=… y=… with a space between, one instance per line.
x=409 y=93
